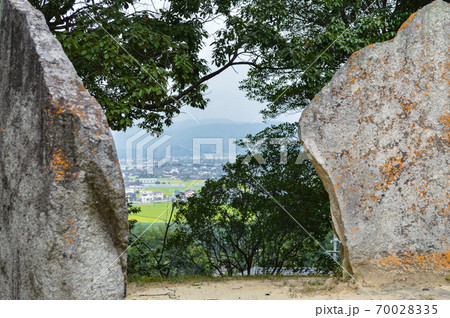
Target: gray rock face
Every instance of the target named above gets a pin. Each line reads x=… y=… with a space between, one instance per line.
x=379 y=136
x=63 y=217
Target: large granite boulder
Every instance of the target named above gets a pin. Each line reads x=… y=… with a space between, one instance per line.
x=63 y=217
x=379 y=137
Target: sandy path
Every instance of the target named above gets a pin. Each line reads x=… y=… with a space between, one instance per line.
x=281 y=288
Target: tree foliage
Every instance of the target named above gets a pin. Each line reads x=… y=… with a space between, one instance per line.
x=135 y=60
x=151 y=254
x=297 y=46
x=142 y=62
x=268 y=210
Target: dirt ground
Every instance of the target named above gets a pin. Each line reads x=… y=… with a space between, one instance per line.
x=281 y=288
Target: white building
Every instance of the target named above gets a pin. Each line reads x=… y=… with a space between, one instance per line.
x=150 y=196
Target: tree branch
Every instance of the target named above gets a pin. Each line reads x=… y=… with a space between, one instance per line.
x=165 y=234
x=196 y=84
x=230 y=63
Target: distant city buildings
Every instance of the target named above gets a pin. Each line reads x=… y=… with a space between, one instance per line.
x=189 y=193
x=164 y=184
x=149 y=196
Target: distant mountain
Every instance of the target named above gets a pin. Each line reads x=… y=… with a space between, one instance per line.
x=180 y=137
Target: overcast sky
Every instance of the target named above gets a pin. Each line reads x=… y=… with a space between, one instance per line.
x=227 y=101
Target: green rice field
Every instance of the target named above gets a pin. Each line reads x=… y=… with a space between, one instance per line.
x=160 y=212
x=183 y=186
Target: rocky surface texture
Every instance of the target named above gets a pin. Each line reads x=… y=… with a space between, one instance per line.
x=379 y=136
x=63 y=216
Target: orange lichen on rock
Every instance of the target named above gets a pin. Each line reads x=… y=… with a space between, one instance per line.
x=48 y=175
x=62 y=166
x=380 y=135
x=59 y=164
x=71 y=230
x=445 y=119
x=390 y=171
x=407 y=22
x=78 y=111
x=445 y=75
x=406 y=105
x=412 y=260
x=352 y=57
x=315 y=98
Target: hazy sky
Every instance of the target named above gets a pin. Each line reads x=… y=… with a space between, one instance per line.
x=226 y=100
